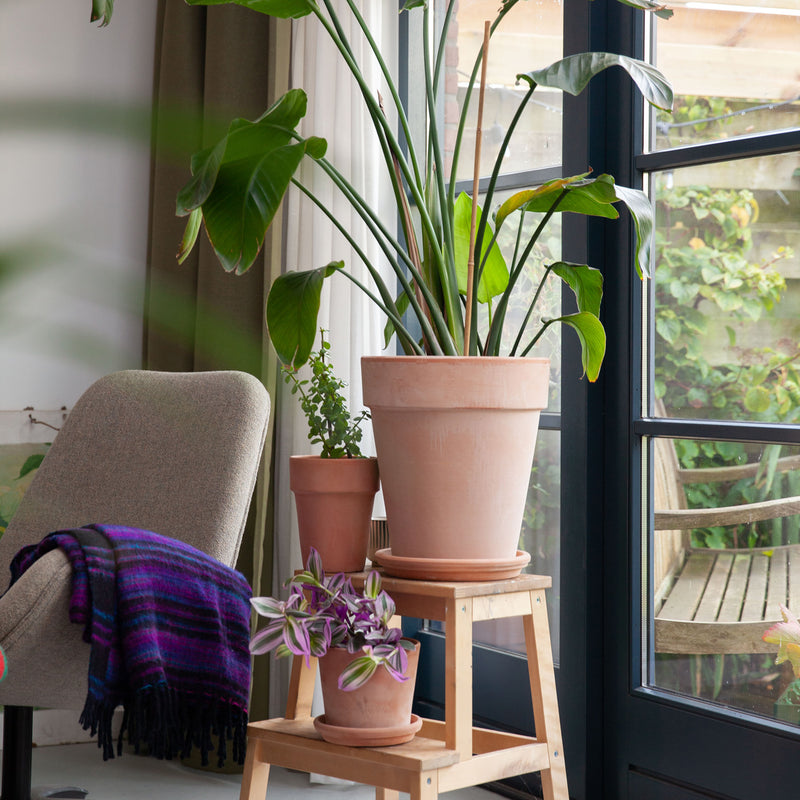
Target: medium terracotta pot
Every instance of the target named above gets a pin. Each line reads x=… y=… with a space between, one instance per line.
x=334 y=499
x=455 y=440
x=373 y=714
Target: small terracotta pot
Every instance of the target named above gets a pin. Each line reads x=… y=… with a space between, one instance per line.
x=381 y=703
x=334 y=499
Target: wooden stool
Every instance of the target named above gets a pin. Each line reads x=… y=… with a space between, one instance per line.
x=444 y=755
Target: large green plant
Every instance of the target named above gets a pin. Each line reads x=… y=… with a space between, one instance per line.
x=237 y=185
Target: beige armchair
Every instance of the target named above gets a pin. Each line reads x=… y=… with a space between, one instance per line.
x=175 y=453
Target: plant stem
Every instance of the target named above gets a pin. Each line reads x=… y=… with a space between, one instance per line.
x=507 y=6
x=446 y=266
x=531 y=307
x=387 y=304
x=476 y=179
x=493 y=339
x=381 y=124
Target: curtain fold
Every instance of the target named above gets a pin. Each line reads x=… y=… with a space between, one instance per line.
x=213 y=64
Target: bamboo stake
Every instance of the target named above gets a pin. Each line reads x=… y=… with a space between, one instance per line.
x=476 y=177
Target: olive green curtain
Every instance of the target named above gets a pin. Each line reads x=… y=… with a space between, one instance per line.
x=213 y=64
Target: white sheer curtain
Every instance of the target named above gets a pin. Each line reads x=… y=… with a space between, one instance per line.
x=337 y=112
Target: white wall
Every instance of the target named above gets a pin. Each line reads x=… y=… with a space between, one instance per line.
x=71 y=314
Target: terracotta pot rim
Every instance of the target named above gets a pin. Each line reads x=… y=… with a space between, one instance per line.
x=332 y=460
x=439 y=360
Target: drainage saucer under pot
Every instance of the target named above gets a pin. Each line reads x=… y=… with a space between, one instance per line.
x=452 y=569
x=368 y=737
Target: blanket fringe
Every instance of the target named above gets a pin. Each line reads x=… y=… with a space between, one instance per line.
x=169 y=724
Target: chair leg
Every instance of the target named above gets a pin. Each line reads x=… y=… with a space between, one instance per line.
x=17 y=752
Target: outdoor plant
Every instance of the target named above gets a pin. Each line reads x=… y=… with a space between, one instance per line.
x=329 y=422
x=706 y=269
x=786 y=635
x=445 y=259
x=325 y=611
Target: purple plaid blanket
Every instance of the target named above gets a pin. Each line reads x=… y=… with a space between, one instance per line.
x=168 y=628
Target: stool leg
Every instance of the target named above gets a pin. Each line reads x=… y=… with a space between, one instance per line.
x=427 y=788
x=458 y=677
x=543 y=695
x=386 y=794
x=301 y=688
x=255 y=775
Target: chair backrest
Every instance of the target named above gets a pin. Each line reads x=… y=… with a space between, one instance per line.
x=175 y=453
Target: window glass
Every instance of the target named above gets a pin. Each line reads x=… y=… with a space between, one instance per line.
x=727 y=290
x=735 y=68
x=721 y=571
x=528 y=38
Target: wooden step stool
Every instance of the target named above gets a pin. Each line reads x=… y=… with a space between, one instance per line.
x=444 y=755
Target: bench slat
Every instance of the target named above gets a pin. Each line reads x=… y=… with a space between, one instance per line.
x=715 y=588
x=685 y=596
x=737 y=586
x=778 y=583
x=755 y=596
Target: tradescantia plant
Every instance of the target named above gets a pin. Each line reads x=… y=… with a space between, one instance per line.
x=454 y=283
x=326 y=611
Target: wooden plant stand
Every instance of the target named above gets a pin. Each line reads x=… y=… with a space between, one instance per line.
x=444 y=755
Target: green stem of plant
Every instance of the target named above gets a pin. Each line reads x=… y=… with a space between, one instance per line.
x=386 y=302
x=493 y=338
x=448 y=275
x=531 y=307
x=462 y=122
x=545 y=325
x=380 y=122
x=385 y=241
x=401 y=112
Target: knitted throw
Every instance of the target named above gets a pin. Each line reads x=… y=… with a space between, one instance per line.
x=168 y=628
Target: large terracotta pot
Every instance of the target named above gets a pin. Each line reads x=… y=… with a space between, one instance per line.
x=334 y=499
x=455 y=440
x=377 y=713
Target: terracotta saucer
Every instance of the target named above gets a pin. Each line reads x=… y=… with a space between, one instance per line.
x=367 y=737
x=452 y=569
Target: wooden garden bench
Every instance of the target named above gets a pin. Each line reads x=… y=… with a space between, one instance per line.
x=717 y=601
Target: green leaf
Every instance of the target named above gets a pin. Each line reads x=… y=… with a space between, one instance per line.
x=668 y=327
x=372 y=586
x=494 y=278
x=190 y=234
x=586 y=282
x=292 y=309
x=266 y=639
x=357 y=673
x=31 y=463
x=573 y=73
x=102 y=10
x=283 y=9
x=540 y=199
x=245 y=198
x=244 y=139
x=641 y=210
x=757 y=399
x=593 y=340
x=268 y=607
x=409 y=4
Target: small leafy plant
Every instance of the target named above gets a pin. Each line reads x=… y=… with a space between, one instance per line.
x=329 y=422
x=326 y=611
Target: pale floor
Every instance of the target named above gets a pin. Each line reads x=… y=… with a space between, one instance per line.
x=132 y=777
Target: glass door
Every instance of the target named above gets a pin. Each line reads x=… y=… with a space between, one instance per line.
x=701 y=706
